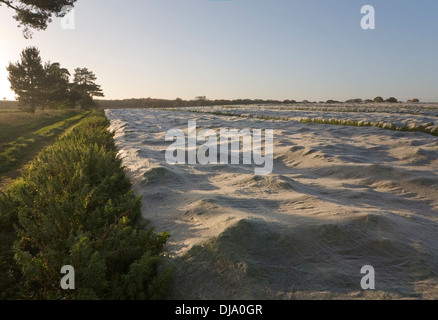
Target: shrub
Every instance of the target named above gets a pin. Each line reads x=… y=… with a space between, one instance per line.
x=358 y=100
x=391 y=100
x=378 y=99
x=74 y=206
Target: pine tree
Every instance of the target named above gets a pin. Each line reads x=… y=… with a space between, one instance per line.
x=85 y=87
x=55 y=85
x=27 y=78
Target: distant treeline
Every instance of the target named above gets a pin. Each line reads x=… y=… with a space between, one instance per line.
x=5 y=104
x=165 y=103
x=203 y=101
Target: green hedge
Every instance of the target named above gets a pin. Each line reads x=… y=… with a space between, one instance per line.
x=74 y=206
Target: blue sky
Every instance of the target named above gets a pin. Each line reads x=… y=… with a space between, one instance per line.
x=278 y=49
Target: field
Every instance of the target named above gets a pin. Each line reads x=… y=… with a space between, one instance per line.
x=361 y=192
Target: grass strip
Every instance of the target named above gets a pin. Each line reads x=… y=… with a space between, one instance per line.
x=15 y=124
x=23 y=149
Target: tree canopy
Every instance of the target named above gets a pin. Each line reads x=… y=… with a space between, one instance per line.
x=391 y=100
x=36 y=14
x=85 y=88
x=27 y=77
x=56 y=83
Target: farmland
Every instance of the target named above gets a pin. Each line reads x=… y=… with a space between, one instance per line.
x=339 y=197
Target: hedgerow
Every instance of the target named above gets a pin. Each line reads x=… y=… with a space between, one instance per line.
x=74 y=206
x=430 y=128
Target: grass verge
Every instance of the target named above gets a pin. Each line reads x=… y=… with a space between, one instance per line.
x=16 y=123
x=14 y=155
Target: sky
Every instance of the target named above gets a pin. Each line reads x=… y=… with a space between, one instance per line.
x=257 y=49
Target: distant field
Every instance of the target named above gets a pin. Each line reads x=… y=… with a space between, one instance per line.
x=7 y=105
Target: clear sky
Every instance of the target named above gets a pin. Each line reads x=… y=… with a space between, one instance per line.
x=268 y=49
